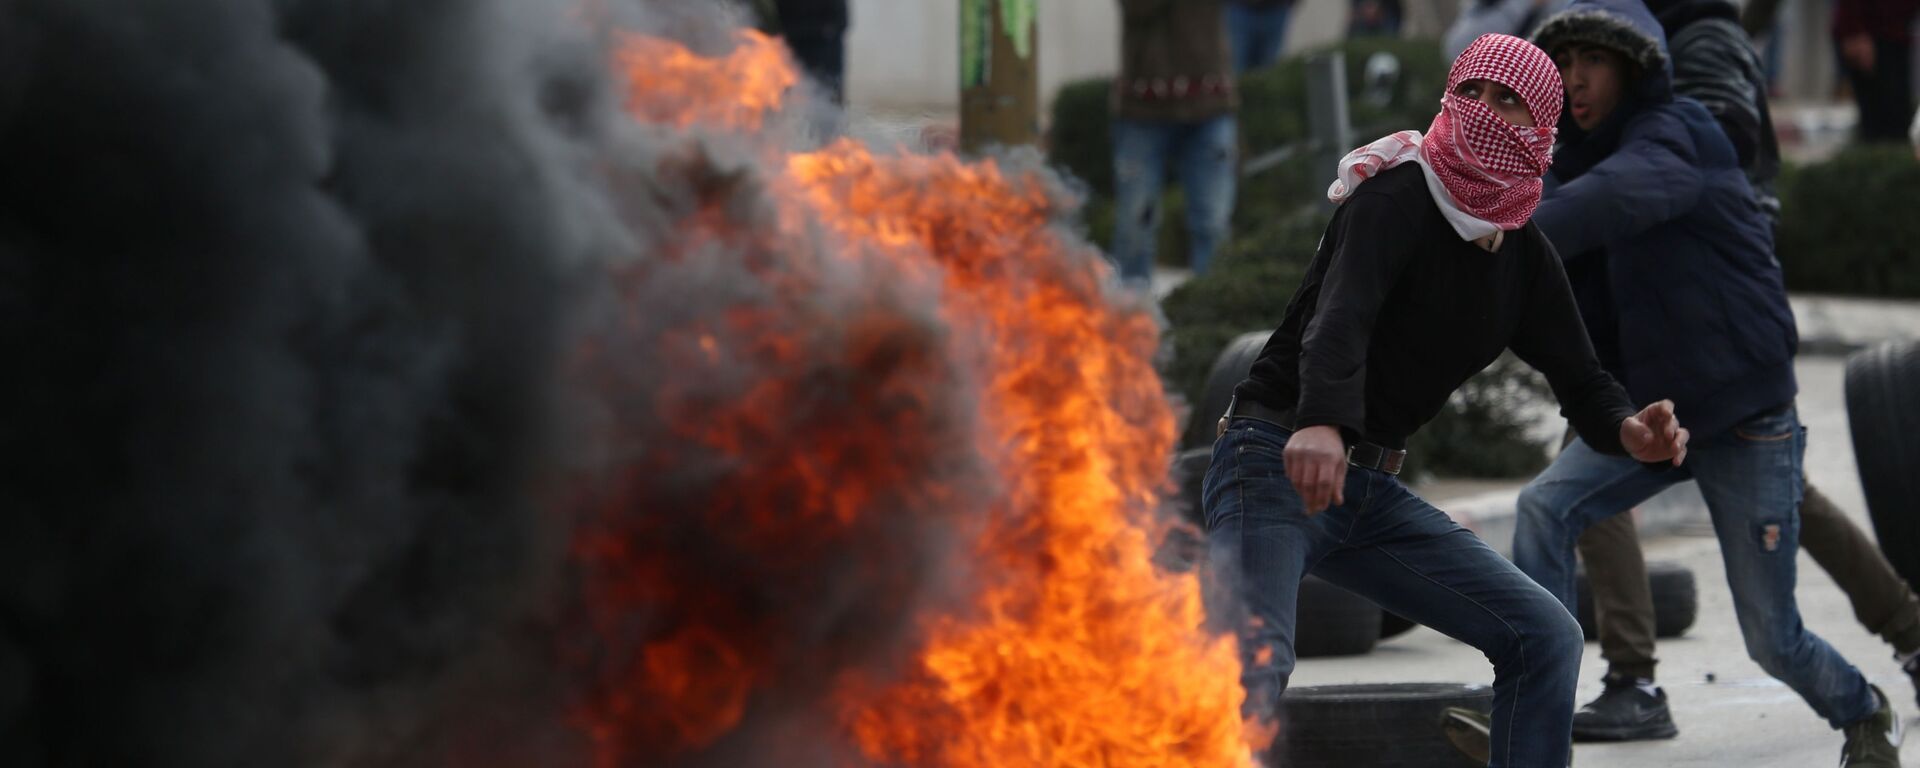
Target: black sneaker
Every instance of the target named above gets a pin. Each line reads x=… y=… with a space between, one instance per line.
x=1875 y=741
x=1624 y=712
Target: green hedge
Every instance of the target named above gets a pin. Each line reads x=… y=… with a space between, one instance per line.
x=1077 y=139
x=1848 y=226
x=1246 y=290
x=1482 y=431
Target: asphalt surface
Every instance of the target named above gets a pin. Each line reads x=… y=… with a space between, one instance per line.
x=1730 y=713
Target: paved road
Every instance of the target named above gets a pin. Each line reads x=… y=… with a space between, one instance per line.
x=1743 y=717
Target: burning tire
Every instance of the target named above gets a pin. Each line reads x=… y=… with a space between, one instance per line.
x=1384 y=725
x=1883 y=408
x=1676 y=600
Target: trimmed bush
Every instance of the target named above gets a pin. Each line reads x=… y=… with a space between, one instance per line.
x=1077 y=139
x=1483 y=430
x=1845 y=226
x=1246 y=290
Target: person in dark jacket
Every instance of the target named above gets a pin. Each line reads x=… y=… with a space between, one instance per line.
x=1374 y=18
x=1715 y=63
x=1875 y=40
x=1506 y=17
x=1428 y=270
x=1173 y=105
x=816 y=32
x=1650 y=196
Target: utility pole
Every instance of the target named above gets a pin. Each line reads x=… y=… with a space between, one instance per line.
x=1329 y=128
x=999 y=82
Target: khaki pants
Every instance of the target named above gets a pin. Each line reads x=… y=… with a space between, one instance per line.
x=1623 y=603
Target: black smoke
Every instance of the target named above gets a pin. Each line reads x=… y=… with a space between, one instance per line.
x=293 y=298
x=279 y=293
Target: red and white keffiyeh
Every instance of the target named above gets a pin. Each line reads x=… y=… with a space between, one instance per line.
x=1482 y=170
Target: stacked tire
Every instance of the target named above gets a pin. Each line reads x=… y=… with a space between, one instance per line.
x=1380 y=725
x=1676 y=600
x=1883 y=409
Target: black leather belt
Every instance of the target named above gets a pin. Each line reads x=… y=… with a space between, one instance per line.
x=1363 y=455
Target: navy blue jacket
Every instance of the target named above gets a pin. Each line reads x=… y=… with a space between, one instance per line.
x=1670 y=256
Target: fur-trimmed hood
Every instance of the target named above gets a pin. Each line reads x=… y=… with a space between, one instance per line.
x=1622 y=25
x=1625 y=26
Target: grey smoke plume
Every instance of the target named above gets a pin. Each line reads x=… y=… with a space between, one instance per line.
x=299 y=429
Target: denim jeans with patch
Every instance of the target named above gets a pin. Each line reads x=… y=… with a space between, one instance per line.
x=1205 y=154
x=1385 y=544
x=1751 y=479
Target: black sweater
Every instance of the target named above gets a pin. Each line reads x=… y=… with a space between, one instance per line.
x=1396 y=311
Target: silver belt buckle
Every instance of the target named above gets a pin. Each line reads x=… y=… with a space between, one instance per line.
x=1220 y=427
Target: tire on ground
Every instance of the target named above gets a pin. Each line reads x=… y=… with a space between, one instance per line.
x=1676 y=599
x=1229 y=369
x=1883 y=409
x=1381 y=725
x=1393 y=624
x=1333 y=621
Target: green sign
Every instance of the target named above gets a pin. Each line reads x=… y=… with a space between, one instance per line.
x=976 y=44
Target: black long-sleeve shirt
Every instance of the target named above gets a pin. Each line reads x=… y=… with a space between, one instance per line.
x=1396 y=312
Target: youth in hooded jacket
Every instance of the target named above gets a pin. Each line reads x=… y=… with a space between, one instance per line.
x=1715 y=63
x=1673 y=261
x=1427 y=272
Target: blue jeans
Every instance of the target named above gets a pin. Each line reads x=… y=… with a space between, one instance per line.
x=1391 y=547
x=1256 y=34
x=1205 y=154
x=1750 y=478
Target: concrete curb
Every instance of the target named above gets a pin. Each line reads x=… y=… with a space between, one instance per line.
x=1839 y=325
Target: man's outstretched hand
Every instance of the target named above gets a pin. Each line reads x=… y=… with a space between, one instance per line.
x=1655 y=435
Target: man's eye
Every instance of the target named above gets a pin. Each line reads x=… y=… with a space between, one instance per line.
x=1508 y=98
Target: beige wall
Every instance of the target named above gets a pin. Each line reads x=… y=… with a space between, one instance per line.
x=903 y=55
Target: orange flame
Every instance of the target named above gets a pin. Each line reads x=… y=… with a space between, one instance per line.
x=1071 y=650
x=674 y=86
